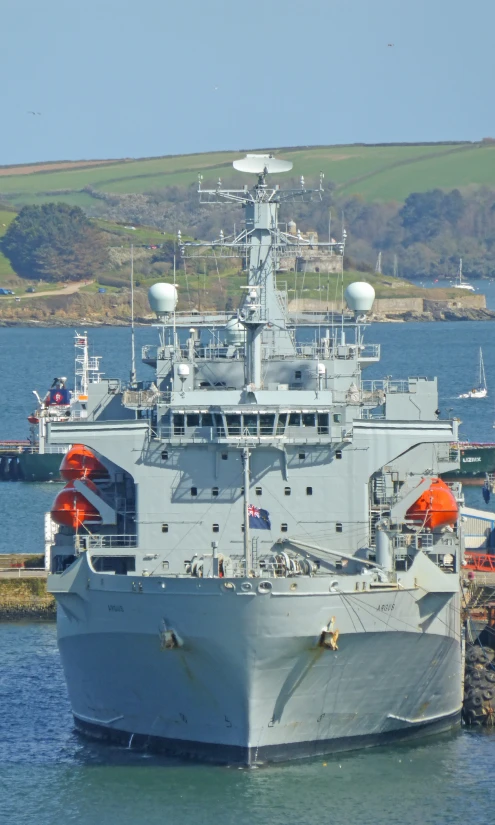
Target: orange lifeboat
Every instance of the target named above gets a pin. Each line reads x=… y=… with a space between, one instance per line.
x=33 y=419
x=71 y=508
x=81 y=462
x=435 y=507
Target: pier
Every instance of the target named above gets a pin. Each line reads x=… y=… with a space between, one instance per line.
x=9 y=459
x=23 y=593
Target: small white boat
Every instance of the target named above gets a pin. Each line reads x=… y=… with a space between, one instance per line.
x=463 y=284
x=481 y=391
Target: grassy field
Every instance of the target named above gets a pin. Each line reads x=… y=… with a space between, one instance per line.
x=376 y=172
x=7 y=274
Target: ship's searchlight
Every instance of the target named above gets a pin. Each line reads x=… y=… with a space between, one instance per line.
x=163 y=299
x=359 y=297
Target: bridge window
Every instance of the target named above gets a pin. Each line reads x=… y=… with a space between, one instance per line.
x=193 y=419
x=309 y=491
x=281 y=423
x=194 y=491
x=323 y=423
x=178 y=424
x=250 y=424
x=337 y=418
x=267 y=421
x=309 y=420
x=207 y=420
x=233 y=424
x=164 y=528
x=214 y=492
x=219 y=425
x=295 y=420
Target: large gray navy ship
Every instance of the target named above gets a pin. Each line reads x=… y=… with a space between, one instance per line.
x=255 y=558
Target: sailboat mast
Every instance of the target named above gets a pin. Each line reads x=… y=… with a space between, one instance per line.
x=133 y=346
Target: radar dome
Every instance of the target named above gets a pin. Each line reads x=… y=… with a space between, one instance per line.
x=162 y=298
x=359 y=296
x=235 y=333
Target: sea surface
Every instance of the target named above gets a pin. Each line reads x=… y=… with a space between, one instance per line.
x=49 y=774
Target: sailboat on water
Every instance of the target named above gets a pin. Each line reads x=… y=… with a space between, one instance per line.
x=481 y=391
x=460 y=284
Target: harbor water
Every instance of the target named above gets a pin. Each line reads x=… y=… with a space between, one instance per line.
x=49 y=774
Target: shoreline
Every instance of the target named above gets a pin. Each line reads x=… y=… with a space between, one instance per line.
x=408 y=316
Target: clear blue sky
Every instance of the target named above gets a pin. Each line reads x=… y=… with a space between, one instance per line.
x=115 y=78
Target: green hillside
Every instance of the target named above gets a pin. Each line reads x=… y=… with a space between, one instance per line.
x=389 y=172
x=6 y=271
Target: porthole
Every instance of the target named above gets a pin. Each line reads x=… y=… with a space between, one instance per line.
x=164 y=528
x=287 y=491
x=194 y=491
x=309 y=491
x=225 y=456
x=283 y=528
x=259 y=491
x=216 y=528
x=214 y=492
x=338 y=454
x=165 y=455
x=338 y=527
x=302 y=456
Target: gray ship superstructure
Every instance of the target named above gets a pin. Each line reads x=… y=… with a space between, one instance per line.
x=273 y=567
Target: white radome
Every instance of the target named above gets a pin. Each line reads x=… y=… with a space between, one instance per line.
x=162 y=298
x=235 y=333
x=359 y=296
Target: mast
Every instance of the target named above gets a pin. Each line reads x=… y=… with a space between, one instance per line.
x=262 y=312
x=133 y=343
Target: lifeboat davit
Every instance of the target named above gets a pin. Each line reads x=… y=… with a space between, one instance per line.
x=81 y=462
x=72 y=509
x=435 y=507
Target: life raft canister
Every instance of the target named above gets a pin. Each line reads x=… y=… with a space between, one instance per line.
x=81 y=462
x=72 y=509
x=436 y=507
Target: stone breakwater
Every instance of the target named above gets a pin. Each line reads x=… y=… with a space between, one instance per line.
x=26 y=599
x=434 y=308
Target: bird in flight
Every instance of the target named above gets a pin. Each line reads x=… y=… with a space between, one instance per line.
x=390 y=45
x=34 y=113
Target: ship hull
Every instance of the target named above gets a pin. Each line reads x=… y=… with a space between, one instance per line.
x=40 y=466
x=475 y=463
x=250 y=682
x=247 y=757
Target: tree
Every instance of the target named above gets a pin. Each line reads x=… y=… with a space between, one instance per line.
x=54 y=242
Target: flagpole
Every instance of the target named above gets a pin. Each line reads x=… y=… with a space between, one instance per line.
x=247 y=548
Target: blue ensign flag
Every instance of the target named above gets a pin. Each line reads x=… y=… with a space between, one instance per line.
x=258 y=519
